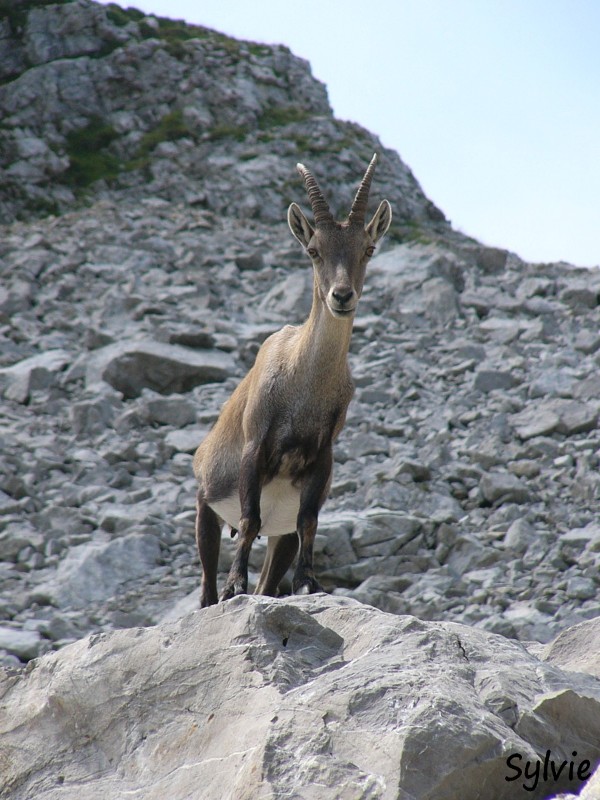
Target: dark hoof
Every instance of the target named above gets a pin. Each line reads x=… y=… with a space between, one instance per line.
x=233 y=589
x=306 y=585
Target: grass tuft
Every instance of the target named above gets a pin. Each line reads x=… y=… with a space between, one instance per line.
x=87 y=152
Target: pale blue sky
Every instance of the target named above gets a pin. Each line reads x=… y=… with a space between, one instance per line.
x=493 y=104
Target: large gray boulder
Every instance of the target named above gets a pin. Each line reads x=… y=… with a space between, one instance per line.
x=315 y=697
x=31 y=374
x=94 y=571
x=166 y=368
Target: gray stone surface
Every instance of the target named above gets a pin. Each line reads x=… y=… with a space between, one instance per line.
x=31 y=374
x=321 y=697
x=577 y=649
x=25 y=645
x=164 y=368
x=96 y=571
x=500 y=487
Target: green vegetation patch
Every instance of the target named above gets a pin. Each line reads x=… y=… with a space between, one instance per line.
x=89 y=156
x=174 y=32
x=39 y=207
x=409 y=231
x=225 y=131
x=281 y=115
x=16 y=14
x=172 y=126
x=123 y=16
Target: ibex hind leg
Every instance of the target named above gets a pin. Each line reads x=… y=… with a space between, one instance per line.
x=281 y=551
x=208 y=539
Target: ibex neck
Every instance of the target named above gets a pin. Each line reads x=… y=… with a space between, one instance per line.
x=326 y=338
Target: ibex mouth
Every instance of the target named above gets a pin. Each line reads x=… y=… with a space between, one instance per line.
x=342 y=312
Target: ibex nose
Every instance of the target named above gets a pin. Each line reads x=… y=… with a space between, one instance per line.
x=342 y=296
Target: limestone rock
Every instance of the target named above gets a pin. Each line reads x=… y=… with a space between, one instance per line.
x=577 y=649
x=329 y=696
x=535 y=421
x=504 y=488
x=23 y=644
x=100 y=569
x=520 y=535
x=171 y=411
x=486 y=380
x=37 y=372
x=164 y=368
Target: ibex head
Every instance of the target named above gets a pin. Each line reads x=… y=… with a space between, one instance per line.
x=339 y=250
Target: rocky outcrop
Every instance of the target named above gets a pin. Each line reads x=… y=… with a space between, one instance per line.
x=97 y=96
x=164 y=368
x=305 y=697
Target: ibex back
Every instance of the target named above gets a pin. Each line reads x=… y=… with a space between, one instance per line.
x=265 y=467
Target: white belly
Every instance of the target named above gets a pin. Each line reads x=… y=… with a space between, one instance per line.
x=279 y=505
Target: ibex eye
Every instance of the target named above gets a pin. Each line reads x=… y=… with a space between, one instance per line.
x=312 y=252
x=370 y=250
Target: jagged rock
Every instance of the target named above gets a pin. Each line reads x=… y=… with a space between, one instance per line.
x=164 y=368
x=502 y=487
x=501 y=329
x=293 y=294
x=468 y=554
x=569 y=417
x=519 y=535
x=94 y=571
x=576 y=649
x=579 y=539
x=92 y=417
x=171 y=411
x=440 y=301
x=487 y=380
x=380 y=533
x=37 y=372
x=534 y=421
x=13 y=539
x=575 y=417
x=587 y=341
x=185 y=441
x=23 y=644
x=331 y=697
x=559 y=383
x=8 y=506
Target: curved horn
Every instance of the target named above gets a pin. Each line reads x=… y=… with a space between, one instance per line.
x=321 y=211
x=359 y=206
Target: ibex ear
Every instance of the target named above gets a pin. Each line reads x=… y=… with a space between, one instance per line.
x=380 y=222
x=299 y=225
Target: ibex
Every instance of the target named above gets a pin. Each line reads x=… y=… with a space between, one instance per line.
x=265 y=467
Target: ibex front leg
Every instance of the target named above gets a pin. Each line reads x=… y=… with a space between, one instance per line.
x=313 y=495
x=208 y=538
x=250 y=522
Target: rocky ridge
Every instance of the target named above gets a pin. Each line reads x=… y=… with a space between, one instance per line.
x=100 y=96
x=345 y=701
x=465 y=486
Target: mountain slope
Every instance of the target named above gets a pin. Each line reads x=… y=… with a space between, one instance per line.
x=153 y=106
x=465 y=484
